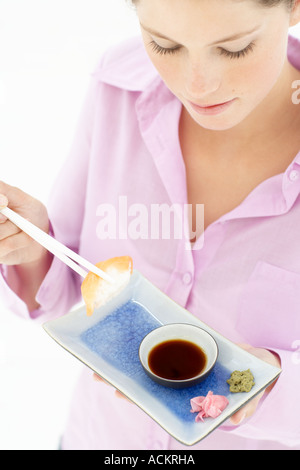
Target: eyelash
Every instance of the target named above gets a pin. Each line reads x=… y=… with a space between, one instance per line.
x=162 y=50
x=232 y=55
x=238 y=54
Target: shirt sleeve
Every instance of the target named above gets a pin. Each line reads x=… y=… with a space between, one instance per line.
x=57 y=294
x=60 y=289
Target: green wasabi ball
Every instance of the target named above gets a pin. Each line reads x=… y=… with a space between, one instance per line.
x=241 y=381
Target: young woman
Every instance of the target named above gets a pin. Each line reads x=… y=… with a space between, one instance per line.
x=201 y=113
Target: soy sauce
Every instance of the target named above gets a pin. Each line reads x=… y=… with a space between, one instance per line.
x=177 y=360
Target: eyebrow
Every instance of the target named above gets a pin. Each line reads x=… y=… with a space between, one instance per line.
x=223 y=40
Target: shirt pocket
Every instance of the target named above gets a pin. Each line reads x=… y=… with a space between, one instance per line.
x=269 y=308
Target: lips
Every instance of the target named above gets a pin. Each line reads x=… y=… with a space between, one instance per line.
x=205 y=106
x=211 y=109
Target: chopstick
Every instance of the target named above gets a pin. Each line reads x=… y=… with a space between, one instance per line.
x=59 y=250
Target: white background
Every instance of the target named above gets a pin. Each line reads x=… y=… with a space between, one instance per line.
x=48 y=48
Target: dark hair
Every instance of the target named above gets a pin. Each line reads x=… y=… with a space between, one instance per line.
x=264 y=3
x=271 y=3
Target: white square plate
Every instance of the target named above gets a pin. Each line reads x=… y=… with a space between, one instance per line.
x=108 y=343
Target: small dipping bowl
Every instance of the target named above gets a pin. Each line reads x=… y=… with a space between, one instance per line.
x=185 y=332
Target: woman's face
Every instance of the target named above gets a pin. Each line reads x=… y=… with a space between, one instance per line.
x=221 y=58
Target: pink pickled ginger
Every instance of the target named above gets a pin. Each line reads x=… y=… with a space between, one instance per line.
x=210 y=406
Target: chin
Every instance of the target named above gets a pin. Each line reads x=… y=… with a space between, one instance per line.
x=221 y=122
x=217 y=124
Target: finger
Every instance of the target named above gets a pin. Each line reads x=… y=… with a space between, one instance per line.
x=238 y=417
x=3 y=204
x=11 y=195
x=121 y=396
x=11 y=245
x=99 y=379
x=117 y=393
x=246 y=411
x=7 y=229
x=3 y=201
x=245 y=346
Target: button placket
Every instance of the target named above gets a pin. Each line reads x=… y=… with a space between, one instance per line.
x=294 y=175
x=291 y=186
x=187 y=278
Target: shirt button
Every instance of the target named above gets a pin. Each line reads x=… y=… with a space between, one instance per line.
x=187 y=278
x=294 y=175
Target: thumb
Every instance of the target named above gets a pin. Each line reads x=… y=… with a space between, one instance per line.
x=3 y=201
x=3 y=204
x=13 y=196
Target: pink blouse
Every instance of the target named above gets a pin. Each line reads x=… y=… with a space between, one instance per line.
x=242 y=277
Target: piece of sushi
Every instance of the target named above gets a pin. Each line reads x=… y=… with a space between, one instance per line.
x=96 y=291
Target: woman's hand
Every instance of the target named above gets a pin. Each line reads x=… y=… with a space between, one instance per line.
x=27 y=261
x=16 y=247
x=249 y=409
x=117 y=393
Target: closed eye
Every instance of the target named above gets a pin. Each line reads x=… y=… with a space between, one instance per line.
x=163 y=50
x=232 y=55
x=237 y=54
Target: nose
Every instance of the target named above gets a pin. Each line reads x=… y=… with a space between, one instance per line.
x=201 y=79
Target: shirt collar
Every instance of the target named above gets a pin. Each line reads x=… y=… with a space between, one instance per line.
x=293 y=51
x=127 y=66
